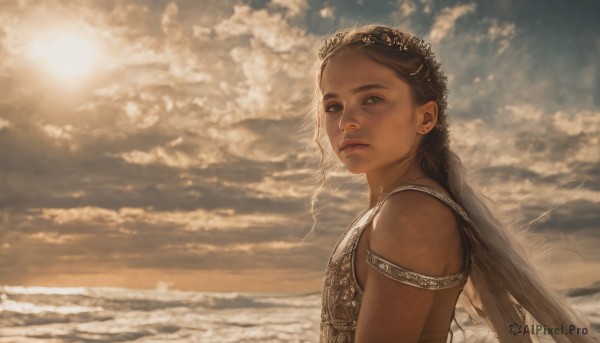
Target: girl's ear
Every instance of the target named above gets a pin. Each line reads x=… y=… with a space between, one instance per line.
x=427 y=115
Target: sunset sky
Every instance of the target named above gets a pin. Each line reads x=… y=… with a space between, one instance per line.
x=157 y=143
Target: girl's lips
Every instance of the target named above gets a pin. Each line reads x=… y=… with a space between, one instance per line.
x=354 y=147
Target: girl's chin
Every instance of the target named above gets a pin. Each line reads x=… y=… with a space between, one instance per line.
x=355 y=169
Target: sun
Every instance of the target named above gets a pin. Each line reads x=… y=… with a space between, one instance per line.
x=66 y=55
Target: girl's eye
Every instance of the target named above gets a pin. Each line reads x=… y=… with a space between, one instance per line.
x=372 y=100
x=332 y=108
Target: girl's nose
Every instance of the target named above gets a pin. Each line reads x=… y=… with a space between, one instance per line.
x=348 y=120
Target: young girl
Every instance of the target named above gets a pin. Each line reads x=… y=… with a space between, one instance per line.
x=426 y=238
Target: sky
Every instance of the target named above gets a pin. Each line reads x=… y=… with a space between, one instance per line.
x=154 y=144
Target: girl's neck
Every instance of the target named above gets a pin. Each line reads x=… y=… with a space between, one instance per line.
x=381 y=183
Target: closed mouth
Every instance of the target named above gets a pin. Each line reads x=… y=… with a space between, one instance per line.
x=352 y=145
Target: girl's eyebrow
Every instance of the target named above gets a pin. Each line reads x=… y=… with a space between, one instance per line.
x=356 y=90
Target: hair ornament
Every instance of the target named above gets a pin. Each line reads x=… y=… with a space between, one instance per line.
x=403 y=41
x=387 y=38
x=393 y=38
x=418 y=70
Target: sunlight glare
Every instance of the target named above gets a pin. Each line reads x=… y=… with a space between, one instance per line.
x=66 y=55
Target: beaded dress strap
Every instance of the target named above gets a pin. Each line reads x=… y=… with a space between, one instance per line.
x=397 y=273
x=443 y=197
x=402 y=275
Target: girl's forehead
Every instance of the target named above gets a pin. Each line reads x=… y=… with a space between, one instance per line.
x=354 y=68
x=355 y=61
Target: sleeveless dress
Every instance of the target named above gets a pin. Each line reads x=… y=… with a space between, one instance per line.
x=342 y=294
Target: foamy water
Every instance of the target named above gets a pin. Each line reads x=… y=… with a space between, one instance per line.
x=40 y=314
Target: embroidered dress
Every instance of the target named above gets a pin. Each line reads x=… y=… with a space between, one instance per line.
x=342 y=295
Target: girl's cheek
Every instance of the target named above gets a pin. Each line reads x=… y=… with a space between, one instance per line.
x=331 y=127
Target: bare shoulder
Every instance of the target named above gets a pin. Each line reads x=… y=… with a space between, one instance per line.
x=418 y=232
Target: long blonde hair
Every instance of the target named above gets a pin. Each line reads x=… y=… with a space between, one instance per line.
x=504 y=286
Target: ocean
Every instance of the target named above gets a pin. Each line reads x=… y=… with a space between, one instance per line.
x=89 y=314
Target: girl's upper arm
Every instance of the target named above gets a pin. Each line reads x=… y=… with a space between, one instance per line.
x=416 y=233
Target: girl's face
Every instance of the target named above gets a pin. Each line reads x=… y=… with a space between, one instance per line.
x=366 y=102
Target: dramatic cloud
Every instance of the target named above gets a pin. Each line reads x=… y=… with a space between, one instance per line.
x=4 y=124
x=293 y=7
x=177 y=153
x=503 y=33
x=407 y=7
x=445 y=21
x=327 y=12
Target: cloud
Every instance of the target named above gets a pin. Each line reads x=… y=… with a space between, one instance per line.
x=536 y=163
x=270 y=29
x=57 y=132
x=501 y=30
x=181 y=148
x=427 y=6
x=572 y=217
x=502 y=33
x=407 y=7
x=293 y=7
x=224 y=219
x=584 y=122
x=169 y=22
x=446 y=19
x=327 y=12
x=145 y=238
x=266 y=139
x=4 y=124
x=173 y=156
x=524 y=135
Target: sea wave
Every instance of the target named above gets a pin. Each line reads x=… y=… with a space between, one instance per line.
x=104 y=314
